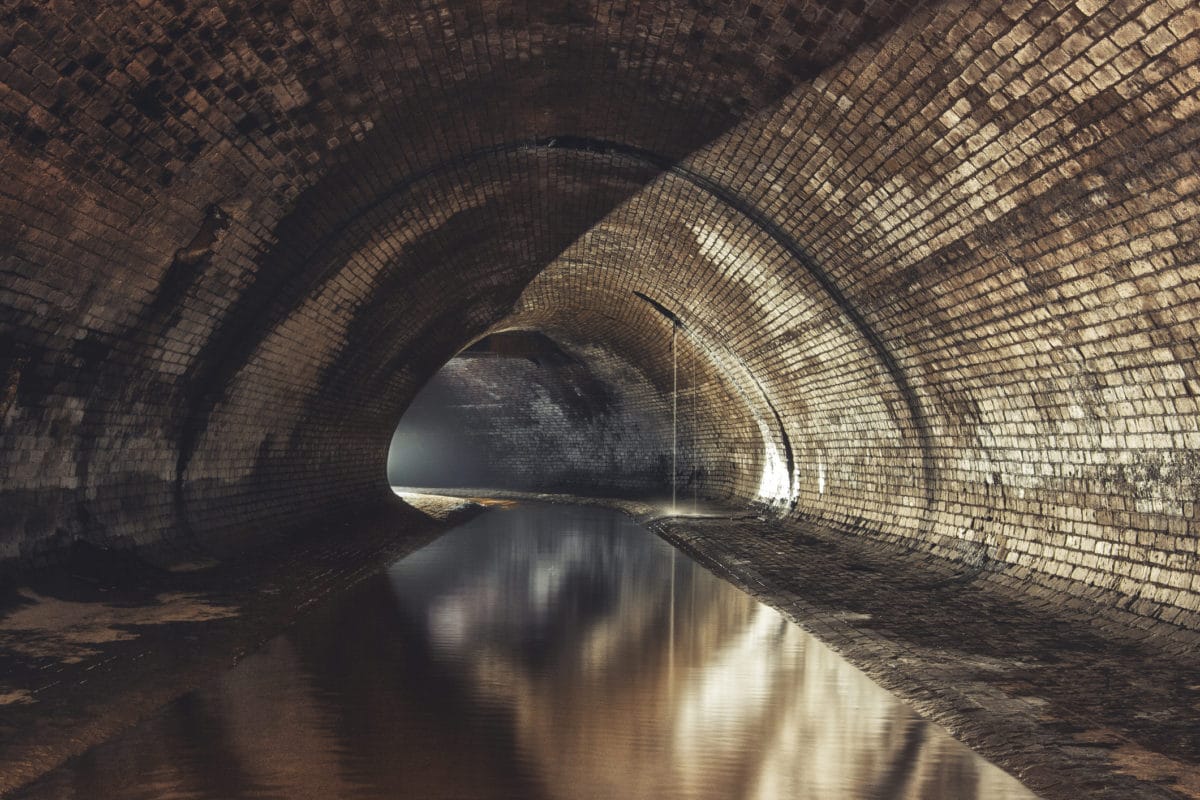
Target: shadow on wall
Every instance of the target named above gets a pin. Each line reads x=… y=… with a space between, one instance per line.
x=516 y=411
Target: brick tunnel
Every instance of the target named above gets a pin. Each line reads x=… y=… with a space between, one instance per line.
x=924 y=274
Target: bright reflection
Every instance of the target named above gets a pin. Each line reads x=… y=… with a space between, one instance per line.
x=775 y=486
x=737 y=702
x=539 y=653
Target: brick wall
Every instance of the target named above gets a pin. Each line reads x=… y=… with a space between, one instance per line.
x=935 y=262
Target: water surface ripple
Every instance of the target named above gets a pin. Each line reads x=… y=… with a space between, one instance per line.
x=538 y=652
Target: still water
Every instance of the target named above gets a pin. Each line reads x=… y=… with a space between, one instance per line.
x=538 y=652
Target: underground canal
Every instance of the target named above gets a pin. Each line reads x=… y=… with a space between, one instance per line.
x=883 y=314
x=537 y=652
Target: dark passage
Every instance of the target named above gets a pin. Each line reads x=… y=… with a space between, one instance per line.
x=520 y=411
x=538 y=652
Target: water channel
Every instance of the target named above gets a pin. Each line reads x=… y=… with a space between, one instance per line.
x=538 y=652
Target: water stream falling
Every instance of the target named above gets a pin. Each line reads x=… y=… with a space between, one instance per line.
x=695 y=449
x=674 y=410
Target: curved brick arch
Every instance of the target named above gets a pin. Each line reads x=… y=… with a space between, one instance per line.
x=215 y=302
x=611 y=155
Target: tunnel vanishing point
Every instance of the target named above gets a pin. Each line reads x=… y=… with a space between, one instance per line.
x=931 y=269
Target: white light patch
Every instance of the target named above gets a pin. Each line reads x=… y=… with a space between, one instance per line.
x=820 y=477
x=774 y=486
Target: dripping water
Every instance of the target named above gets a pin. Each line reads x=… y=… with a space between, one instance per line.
x=695 y=449
x=674 y=411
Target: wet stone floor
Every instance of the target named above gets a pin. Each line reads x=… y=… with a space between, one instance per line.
x=536 y=652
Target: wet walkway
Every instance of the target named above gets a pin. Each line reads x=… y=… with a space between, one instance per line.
x=1077 y=706
x=538 y=652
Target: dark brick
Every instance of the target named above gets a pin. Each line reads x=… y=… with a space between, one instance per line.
x=936 y=262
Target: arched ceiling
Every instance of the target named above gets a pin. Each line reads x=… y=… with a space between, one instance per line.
x=937 y=259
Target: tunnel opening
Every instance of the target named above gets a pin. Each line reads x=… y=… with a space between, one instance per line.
x=517 y=410
x=912 y=279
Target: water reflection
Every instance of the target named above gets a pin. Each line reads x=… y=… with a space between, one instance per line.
x=539 y=652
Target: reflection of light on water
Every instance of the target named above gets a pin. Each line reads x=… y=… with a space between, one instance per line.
x=726 y=694
x=734 y=684
x=544 y=586
x=448 y=622
x=775 y=485
x=560 y=653
x=693 y=687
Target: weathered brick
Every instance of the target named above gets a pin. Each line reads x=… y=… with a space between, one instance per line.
x=927 y=259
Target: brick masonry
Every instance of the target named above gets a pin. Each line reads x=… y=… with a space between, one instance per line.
x=935 y=262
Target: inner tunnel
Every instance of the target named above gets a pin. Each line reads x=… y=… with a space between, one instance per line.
x=921 y=275
x=516 y=411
